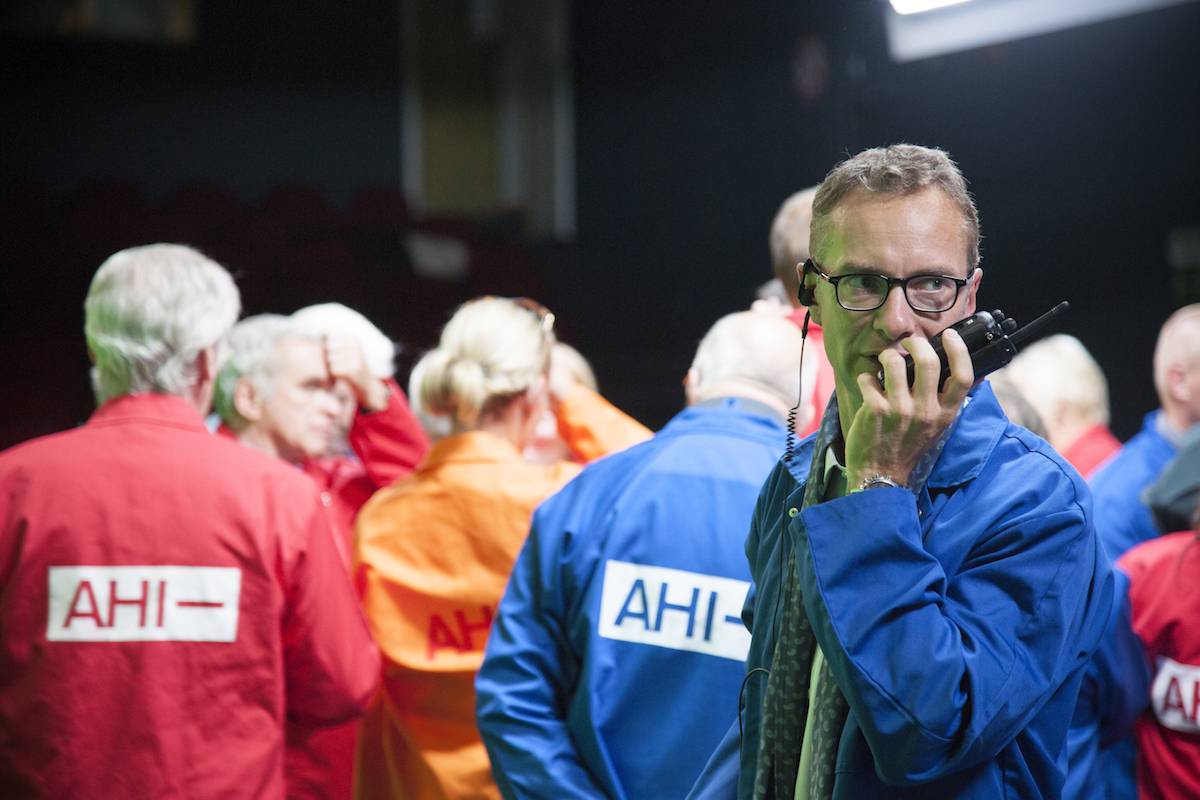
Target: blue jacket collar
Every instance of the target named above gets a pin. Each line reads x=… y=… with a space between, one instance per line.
x=717 y=412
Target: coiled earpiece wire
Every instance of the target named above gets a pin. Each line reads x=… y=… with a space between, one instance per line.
x=787 y=457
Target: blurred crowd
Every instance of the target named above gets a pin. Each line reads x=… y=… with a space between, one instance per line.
x=264 y=568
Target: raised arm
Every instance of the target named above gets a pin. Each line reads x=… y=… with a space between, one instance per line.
x=591 y=426
x=385 y=433
x=391 y=441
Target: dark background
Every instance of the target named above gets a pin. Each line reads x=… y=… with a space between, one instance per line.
x=1081 y=149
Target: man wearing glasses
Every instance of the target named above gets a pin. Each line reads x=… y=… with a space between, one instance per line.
x=928 y=579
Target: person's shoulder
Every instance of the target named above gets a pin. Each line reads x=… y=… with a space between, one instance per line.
x=219 y=461
x=600 y=478
x=1009 y=442
x=734 y=417
x=1147 y=449
x=1034 y=449
x=1009 y=467
x=387 y=495
x=1039 y=468
x=1157 y=572
x=51 y=446
x=1146 y=555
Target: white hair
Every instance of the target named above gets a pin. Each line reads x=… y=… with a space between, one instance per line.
x=378 y=350
x=759 y=348
x=254 y=353
x=149 y=314
x=490 y=351
x=1060 y=369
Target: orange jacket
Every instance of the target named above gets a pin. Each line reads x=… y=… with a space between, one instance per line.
x=432 y=558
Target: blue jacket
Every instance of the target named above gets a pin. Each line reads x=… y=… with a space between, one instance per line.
x=617 y=652
x=1115 y=690
x=1122 y=519
x=956 y=622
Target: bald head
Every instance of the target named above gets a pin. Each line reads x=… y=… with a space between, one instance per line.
x=749 y=354
x=1177 y=366
x=789 y=239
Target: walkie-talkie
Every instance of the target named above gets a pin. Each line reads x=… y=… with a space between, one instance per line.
x=991 y=338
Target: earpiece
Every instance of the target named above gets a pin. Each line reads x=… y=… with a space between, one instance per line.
x=806 y=292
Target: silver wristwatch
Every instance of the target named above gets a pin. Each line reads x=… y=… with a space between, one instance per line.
x=877 y=481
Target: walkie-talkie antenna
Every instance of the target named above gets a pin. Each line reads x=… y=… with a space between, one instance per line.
x=1033 y=328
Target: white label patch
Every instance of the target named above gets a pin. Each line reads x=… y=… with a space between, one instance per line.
x=1176 y=695
x=132 y=604
x=673 y=608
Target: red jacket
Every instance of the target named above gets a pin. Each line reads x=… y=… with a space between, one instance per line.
x=166 y=598
x=1092 y=449
x=389 y=444
x=1164 y=595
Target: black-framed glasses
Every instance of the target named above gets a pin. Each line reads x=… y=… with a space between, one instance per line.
x=867 y=291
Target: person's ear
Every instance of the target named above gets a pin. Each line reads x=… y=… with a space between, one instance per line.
x=807 y=290
x=691 y=384
x=1177 y=382
x=247 y=400
x=972 y=291
x=206 y=364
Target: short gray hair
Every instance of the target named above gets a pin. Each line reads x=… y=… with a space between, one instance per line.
x=755 y=347
x=898 y=170
x=149 y=314
x=254 y=353
x=789 y=237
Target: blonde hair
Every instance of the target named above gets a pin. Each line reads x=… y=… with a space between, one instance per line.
x=1059 y=367
x=573 y=362
x=490 y=351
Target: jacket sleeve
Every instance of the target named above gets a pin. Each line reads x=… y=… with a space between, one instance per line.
x=390 y=442
x=943 y=666
x=719 y=778
x=593 y=427
x=331 y=663
x=529 y=674
x=1121 y=668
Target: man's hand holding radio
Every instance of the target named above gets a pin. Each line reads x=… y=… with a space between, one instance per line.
x=895 y=426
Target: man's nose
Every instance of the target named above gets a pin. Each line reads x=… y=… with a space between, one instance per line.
x=895 y=319
x=328 y=403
